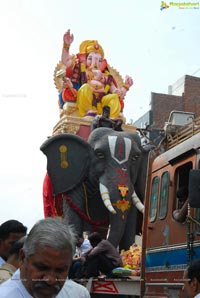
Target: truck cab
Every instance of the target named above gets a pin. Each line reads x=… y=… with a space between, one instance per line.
x=169 y=245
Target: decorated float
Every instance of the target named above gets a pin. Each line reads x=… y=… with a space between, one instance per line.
x=92 y=133
x=91 y=97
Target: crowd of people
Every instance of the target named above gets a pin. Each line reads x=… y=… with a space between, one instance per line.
x=44 y=262
x=37 y=265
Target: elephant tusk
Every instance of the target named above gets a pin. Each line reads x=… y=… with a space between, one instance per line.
x=138 y=204
x=106 y=198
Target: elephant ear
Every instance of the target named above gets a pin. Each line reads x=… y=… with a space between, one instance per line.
x=67 y=161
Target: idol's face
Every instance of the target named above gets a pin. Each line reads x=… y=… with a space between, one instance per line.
x=94 y=60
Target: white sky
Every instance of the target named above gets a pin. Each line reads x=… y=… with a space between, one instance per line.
x=155 y=47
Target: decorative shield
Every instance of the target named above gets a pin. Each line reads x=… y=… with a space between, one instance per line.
x=67 y=161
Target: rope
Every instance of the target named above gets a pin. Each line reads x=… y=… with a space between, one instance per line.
x=190 y=236
x=83 y=215
x=86 y=201
x=193 y=219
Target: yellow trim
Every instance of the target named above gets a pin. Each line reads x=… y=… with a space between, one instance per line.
x=82 y=67
x=86 y=201
x=66 y=46
x=106 y=89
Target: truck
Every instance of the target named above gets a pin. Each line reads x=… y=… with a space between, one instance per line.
x=168 y=245
x=170 y=236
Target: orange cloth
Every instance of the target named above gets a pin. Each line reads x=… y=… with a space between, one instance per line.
x=69 y=94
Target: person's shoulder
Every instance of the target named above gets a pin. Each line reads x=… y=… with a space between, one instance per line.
x=2 y=261
x=8 y=267
x=105 y=241
x=103 y=244
x=86 y=243
x=8 y=289
x=73 y=289
x=4 y=275
x=13 y=287
x=72 y=284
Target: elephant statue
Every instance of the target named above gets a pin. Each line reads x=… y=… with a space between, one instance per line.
x=96 y=182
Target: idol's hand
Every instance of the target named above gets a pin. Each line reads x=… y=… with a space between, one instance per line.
x=68 y=38
x=128 y=81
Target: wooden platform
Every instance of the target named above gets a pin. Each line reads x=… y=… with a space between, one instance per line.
x=80 y=126
x=122 y=286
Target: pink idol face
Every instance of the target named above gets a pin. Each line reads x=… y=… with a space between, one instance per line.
x=94 y=60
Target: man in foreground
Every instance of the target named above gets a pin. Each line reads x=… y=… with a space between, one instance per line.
x=45 y=261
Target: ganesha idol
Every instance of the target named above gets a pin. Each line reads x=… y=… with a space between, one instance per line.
x=87 y=83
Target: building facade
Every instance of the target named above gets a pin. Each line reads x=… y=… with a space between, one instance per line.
x=184 y=95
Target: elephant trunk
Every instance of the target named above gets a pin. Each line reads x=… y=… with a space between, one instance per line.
x=138 y=204
x=106 y=198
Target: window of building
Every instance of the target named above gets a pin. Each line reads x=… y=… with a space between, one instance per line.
x=164 y=195
x=154 y=199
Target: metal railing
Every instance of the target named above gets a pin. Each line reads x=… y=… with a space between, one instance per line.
x=183 y=133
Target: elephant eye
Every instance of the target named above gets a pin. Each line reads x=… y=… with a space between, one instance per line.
x=99 y=154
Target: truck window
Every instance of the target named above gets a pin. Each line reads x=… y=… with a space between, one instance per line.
x=154 y=199
x=164 y=195
x=182 y=180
